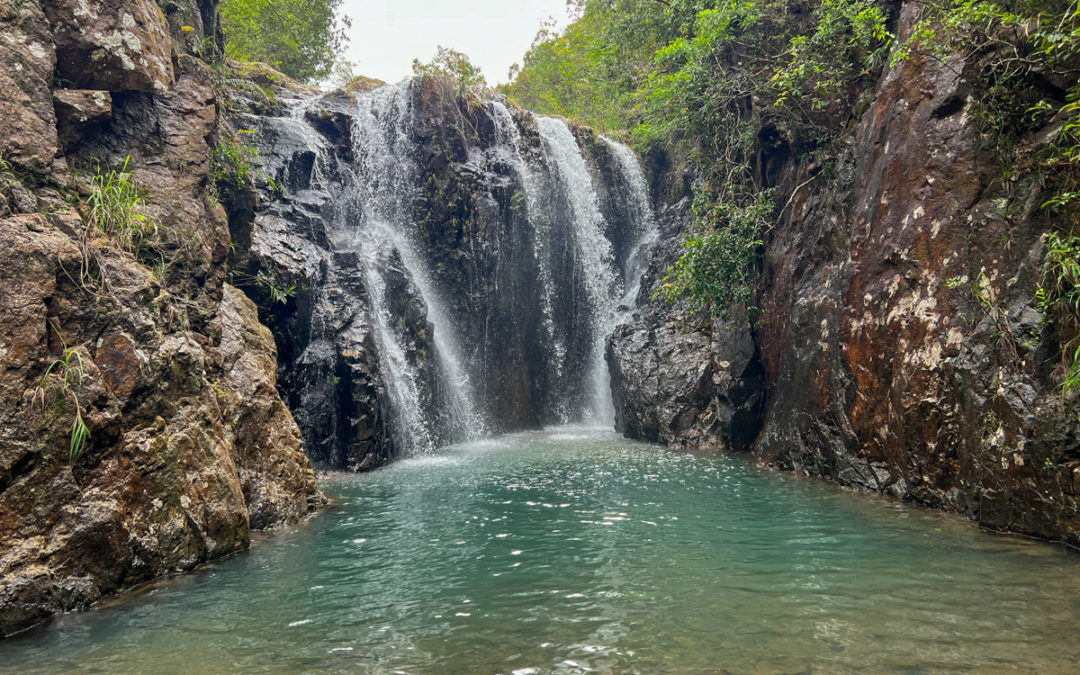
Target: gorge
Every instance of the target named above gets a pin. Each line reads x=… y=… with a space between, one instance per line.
x=452 y=308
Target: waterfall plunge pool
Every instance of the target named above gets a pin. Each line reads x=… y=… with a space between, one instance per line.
x=574 y=550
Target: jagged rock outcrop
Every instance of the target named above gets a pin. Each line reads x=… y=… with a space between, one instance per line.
x=189 y=446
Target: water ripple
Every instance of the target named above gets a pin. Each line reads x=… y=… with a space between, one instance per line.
x=575 y=551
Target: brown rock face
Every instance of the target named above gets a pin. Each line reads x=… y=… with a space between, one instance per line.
x=189 y=445
x=119 y=45
x=268 y=451
x=27 y=59
x=900 y=343
x=884 y=376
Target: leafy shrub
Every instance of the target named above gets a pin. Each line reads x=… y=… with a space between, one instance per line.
x=1061 y=300
x=454 y=65
x=114 y=201
x=231 y=162
x=717 y=268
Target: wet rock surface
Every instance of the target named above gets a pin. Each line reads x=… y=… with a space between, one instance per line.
x=190 y=446
x=470 y=231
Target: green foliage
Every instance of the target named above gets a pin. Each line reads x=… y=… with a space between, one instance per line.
x=848 y=42
x=454 y=65
x=716 y=270
x=1060 y=299
x=301 y=38
x=592 y=69
x=67 y=374
x=278 y=293
x=231 y=161
x=114 y=201
x=7 y=178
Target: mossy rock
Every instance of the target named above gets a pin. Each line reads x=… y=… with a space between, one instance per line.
x=361 y=84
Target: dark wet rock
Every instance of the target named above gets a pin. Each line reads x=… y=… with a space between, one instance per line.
x=676 y=378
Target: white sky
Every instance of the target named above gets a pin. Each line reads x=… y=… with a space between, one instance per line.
x=387 y=35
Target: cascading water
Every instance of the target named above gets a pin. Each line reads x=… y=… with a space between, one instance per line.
x=462 y=267
x=386 y=182
x=414 y=428
x=508 y=144
x=595 y=256
x=645 y=232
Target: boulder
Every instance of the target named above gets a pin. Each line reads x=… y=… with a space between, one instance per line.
x=117 y=45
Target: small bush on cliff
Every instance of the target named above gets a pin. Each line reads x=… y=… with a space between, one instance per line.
x=301 y=38
x=1061 y=301
x=231 y=162
x=716 y=270
x=66 y=374
x=114 y=201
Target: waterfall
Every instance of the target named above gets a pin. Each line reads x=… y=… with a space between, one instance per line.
x=467 y=421
x=463 y=267
x=595 y=255
x=402 y=378
x=508 y=139
x=645 y=230
x=386 y=183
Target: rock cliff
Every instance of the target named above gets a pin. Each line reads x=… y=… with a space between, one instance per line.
x=899 y=348
x=189 y=445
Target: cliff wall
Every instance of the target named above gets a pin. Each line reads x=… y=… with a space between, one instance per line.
x=132 y=333
x=900 y=348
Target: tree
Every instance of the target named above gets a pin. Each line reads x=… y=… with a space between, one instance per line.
x=454 y=65
x=298 y=37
